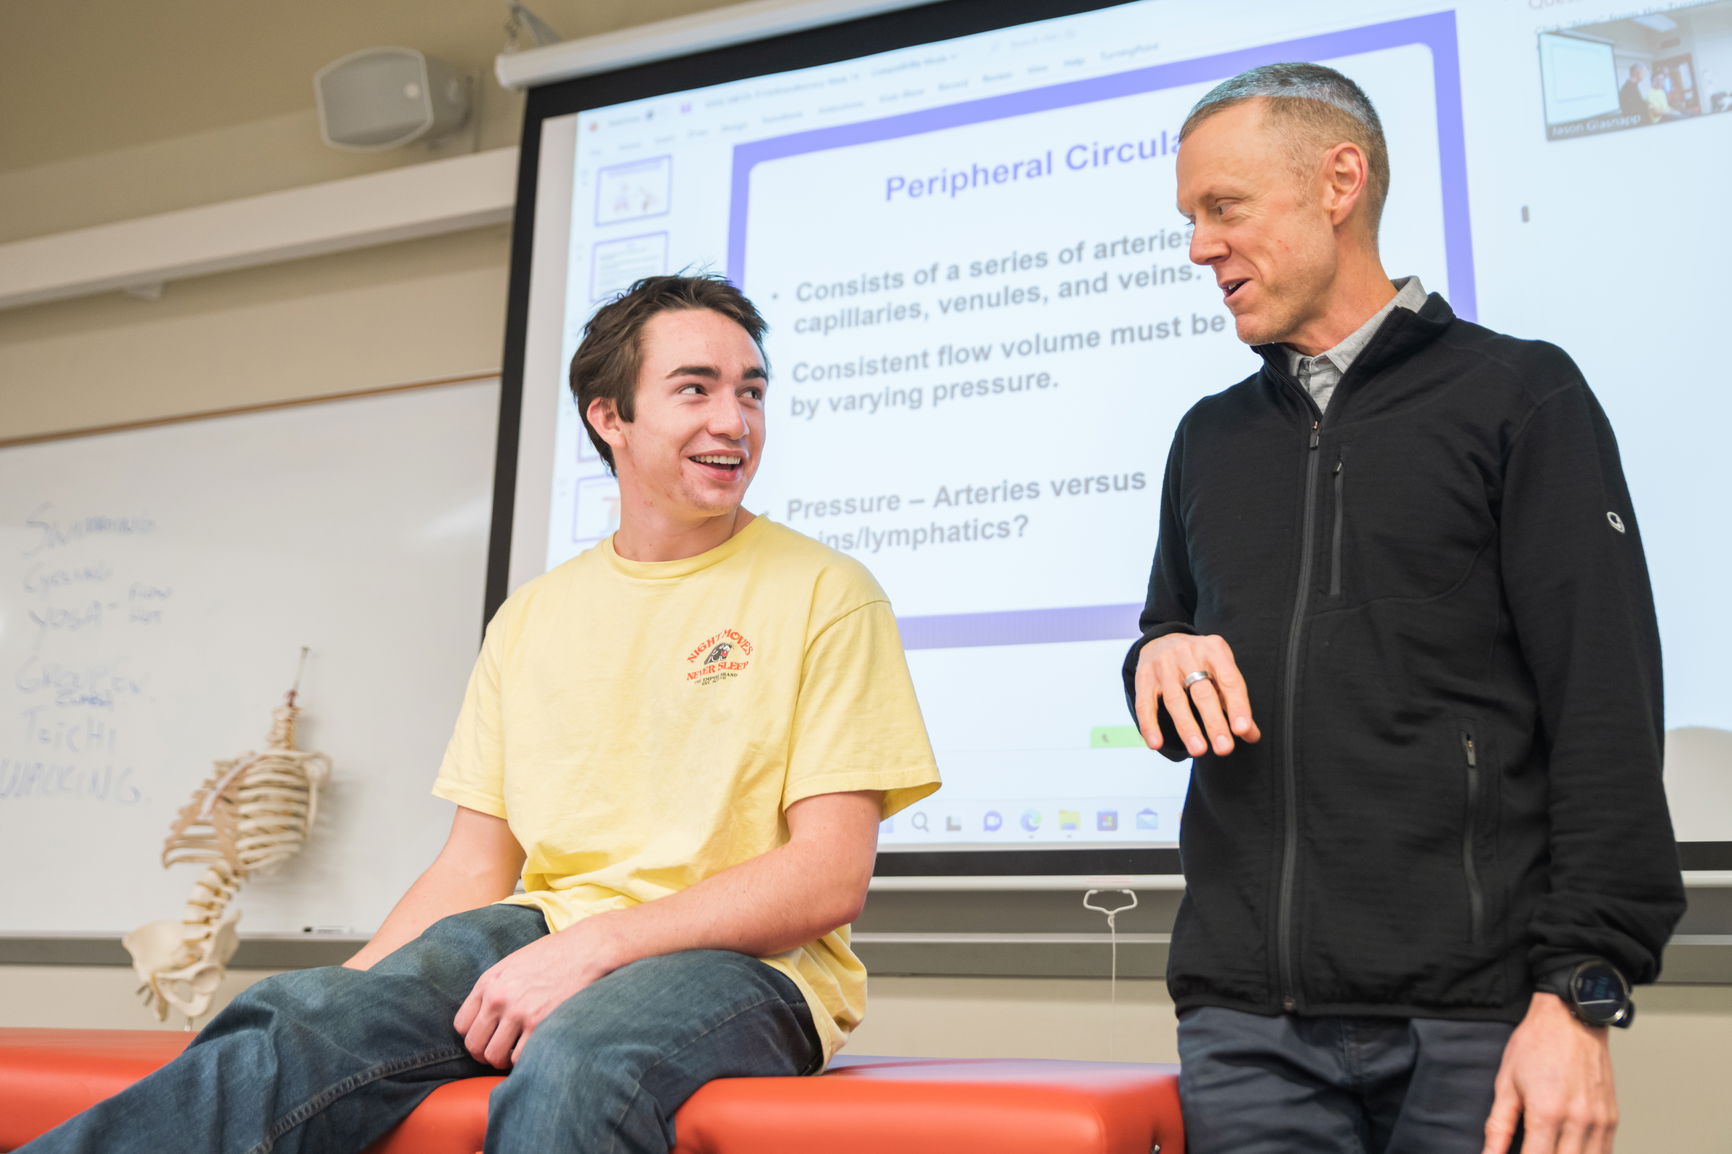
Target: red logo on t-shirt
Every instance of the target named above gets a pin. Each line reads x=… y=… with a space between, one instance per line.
x=718 y=657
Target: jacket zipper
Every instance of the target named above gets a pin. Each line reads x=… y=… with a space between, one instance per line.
x=1290 y=784
x=1335 y=546
x=1475 y=895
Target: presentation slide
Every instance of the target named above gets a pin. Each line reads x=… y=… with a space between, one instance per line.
x=984 y=329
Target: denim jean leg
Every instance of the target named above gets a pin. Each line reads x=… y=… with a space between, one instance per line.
x=605 y=1072
x=325 y=1059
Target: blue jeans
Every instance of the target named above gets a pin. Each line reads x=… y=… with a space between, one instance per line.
x=331 y=1059
x=1252 y=1084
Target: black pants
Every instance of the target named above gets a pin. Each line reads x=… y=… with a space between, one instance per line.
x=1251 y=1084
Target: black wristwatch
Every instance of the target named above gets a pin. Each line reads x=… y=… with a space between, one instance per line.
x=1594 y=990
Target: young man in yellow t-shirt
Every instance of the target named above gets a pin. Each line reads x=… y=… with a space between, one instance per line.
x=682 y=742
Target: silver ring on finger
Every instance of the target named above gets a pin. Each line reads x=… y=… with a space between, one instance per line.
x=1195 y=676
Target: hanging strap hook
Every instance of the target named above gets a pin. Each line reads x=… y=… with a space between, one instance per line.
x=1114 y=912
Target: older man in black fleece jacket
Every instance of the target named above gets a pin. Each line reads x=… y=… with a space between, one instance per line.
x=1422 y=875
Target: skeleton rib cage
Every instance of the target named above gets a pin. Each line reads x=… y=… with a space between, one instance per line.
x=252 y=814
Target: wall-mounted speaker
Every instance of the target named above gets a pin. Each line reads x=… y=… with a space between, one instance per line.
x=381 y=98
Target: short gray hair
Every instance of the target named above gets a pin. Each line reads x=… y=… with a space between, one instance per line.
x=1320 y=107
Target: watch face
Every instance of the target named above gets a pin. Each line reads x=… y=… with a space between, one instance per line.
x=1599 y=992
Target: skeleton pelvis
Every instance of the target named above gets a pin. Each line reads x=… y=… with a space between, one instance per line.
x=177 y=971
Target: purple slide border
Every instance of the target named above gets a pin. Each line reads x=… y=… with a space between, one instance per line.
x=1020 y=627
x=1435 y=31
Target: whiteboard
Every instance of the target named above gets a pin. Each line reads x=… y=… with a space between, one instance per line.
x=156 y=587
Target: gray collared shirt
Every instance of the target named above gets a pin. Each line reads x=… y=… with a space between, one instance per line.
x=1321 y=373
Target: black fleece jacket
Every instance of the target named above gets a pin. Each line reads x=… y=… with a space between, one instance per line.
x=1438 y=598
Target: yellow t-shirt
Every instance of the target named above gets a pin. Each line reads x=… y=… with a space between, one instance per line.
x=644 y=725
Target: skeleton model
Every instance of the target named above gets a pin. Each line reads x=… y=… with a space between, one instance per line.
x=251 y=815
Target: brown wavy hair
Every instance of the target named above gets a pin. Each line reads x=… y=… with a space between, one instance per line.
x=607 y=361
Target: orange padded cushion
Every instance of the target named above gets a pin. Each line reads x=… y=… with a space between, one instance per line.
x=47 y=1076
x=862 y=1105
x=453 y=1120
x=941 y=1106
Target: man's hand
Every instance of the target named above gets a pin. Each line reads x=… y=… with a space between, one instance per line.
x=510 y=1000
x=1216 y=706
x=1556 y=1080
x=777 y=901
